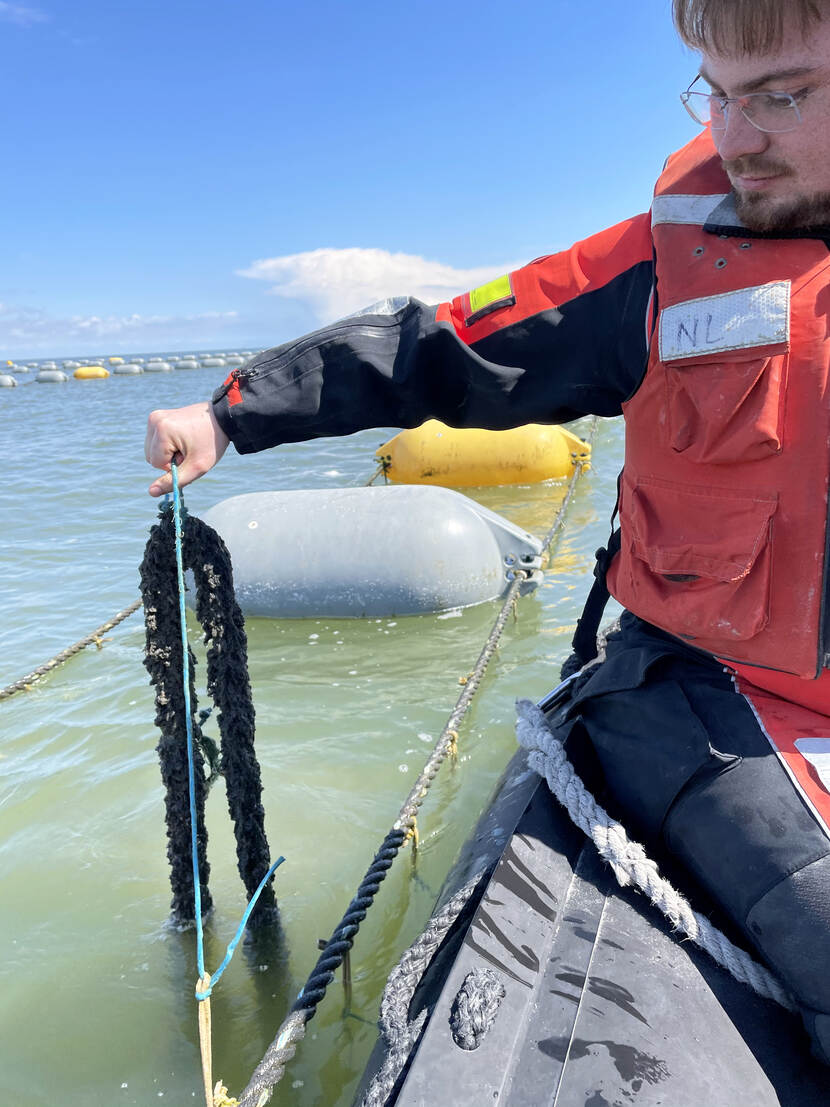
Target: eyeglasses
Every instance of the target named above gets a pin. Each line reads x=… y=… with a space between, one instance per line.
x=771 y=112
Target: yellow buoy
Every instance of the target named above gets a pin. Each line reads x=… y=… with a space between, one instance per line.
x=437 y=454
x=90 y=373
x=116 y=360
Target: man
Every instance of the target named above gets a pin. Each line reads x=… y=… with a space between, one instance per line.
x=707 y=323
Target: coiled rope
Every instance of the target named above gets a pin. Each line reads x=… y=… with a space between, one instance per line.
x=25 y=683
x=628 y=860
x=272 y=1067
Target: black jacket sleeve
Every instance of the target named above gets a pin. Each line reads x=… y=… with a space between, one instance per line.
x=567 y=339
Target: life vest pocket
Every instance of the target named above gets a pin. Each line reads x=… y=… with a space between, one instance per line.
x=726 y=410
x=696 y=561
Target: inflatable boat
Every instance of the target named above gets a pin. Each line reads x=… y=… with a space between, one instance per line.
x=594 y=1003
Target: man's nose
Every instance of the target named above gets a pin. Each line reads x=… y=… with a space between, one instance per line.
x=739 y=136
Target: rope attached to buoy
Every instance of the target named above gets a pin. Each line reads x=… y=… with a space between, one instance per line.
x=96 y=637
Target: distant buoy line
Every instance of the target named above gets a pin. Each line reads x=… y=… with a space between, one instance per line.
x=101 y=368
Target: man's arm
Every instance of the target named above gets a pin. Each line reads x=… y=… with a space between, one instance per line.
x=564 y=336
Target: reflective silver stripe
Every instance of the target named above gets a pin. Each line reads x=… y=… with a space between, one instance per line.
x=817 y=752
x=757 y=316
x=692 y=210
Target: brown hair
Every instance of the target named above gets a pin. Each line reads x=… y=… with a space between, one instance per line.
x=736 y=27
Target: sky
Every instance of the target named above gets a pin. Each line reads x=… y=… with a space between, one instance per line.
x=235 y=173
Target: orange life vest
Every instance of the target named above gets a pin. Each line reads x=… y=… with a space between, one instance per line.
x=724 y=495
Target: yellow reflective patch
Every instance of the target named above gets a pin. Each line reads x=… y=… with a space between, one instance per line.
x=490 y=293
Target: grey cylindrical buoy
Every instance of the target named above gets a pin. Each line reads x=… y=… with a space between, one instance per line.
x=397 y=550
x=128 y=369
x=49 y=376
x=7 y=381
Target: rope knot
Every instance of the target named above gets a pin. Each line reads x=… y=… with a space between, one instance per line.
x=475 y=1007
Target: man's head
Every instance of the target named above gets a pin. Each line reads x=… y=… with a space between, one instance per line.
x=781 y=179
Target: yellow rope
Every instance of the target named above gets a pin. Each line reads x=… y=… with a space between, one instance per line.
x=205 y=1044
x=221 y=1097
x=216 y=1095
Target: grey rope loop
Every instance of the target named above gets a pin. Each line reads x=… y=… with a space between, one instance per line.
x=628 y=860
x=272 y=1067
x=475 y=1007
x=24 y=684
x=398 y=1033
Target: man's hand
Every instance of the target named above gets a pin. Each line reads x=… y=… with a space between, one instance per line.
x=190 y=436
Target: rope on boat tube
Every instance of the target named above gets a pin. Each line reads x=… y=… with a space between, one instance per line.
x=475 y=1007
x=628 y=860
x=272 y=1067
x=398 y=1033
x=25 y=683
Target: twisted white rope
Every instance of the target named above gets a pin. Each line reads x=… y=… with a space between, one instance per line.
x=628 y=859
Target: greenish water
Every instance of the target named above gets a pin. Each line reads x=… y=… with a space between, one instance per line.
x=96 y=991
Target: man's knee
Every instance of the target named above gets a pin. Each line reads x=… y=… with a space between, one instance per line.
x=790 y=924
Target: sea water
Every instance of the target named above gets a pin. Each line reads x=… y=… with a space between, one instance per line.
x=96 y=989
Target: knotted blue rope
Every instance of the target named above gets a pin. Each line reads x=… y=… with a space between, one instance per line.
x=191 y=774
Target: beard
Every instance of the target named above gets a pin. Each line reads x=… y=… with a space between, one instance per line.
x=796 y=213
x=764 y=213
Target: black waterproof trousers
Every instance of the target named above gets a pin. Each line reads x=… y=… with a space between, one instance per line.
x=675 y=752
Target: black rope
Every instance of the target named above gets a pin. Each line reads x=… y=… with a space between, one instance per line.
x=205 y=553
x=343 y=936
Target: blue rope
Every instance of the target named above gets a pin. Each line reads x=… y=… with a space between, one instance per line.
x=191 y=775
x=240 y=931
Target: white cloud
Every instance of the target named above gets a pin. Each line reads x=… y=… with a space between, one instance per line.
x=335 y=283
x=35 y=330
x=21 y=15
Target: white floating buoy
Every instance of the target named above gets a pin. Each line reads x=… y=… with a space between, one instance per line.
x=127 y=369
x=187 y=363
x=70 y=364
x=7 y=381
x=48 y=365
x=397 y=550
x=49 y=376
x=157 y=367
x=213 y=362
x=174 y=357
x=234 y=359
